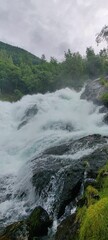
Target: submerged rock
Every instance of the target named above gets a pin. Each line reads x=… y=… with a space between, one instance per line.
x=29 y=114
x=105 y=119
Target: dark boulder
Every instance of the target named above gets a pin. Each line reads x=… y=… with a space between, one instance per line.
x=38 y=223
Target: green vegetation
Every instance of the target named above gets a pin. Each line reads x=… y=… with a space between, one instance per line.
x=93 y=216
x=104 y=82
x=95 y=223
x=91 y=194
x=23 y=73
x=104 y=98
x=102 y=181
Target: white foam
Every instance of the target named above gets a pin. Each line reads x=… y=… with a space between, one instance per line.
x=47 y=128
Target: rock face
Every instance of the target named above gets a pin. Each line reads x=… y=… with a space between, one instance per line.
x=16 y=231
x=94 y=90
x=57 y=177
x=35 y=226
x=67 y=230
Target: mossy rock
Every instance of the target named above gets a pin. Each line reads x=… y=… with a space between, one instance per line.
x=95 y=223
x=104 y=98
x=68 y=228
x=102 y=174
x=102 y=180
x=35 y=226
x=38 y=223
x=15 y=231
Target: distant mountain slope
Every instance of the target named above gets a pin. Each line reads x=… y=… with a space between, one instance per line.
x=19 y=54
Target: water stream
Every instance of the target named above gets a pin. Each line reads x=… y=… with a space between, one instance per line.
x=29 y=127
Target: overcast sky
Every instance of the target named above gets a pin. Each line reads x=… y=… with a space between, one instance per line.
x=52 y=26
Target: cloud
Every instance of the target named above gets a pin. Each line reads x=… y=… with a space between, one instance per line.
x=52 y=26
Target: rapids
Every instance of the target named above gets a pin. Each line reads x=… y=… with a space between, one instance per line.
x=29 y=127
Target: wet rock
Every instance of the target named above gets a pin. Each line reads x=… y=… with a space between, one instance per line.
x=96 y=160
x=59 y=125
x=15 y=231
x=73 y=146
x=29 y=114
x=103 y=109
x=38 y=223
x=94 y=90
x=58 y=177
x=90 y=181
x=105 y=119
x=67 y=230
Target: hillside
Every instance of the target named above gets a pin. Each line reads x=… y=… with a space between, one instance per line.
x=23 y=73
x=18 y=54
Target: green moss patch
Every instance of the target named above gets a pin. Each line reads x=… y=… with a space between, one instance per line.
x=104 y=99
x=95 y=224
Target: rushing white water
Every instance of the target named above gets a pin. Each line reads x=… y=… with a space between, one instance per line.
x=30 y=126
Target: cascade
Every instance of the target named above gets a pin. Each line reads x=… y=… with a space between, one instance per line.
x=30 y=128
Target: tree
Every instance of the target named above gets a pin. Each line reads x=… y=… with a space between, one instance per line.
x=43 y=58
x=103 y=35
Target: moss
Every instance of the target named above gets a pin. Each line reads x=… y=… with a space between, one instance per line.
x=104 y=99
x=95 y=224
x=81 y=214
x=38 y=223
x=34 y=218
x=102 y=175
x=91 y=195
x=104 y=82
x=102 y=172
x=102 y=181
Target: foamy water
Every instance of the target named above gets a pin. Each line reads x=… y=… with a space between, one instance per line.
x=60 y=116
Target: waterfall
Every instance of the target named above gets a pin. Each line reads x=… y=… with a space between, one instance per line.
x=27 y=129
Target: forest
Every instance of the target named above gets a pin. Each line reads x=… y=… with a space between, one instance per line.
x=23 y=73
